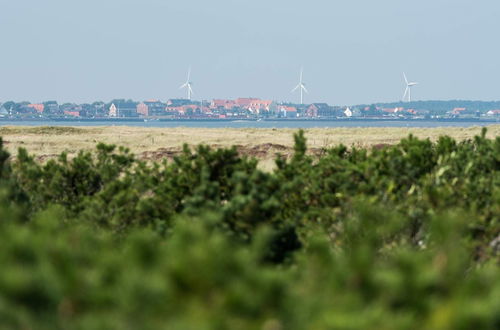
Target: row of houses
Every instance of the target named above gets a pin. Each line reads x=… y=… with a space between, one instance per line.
x=52 y=108
x=217 y=108
x=226 y=108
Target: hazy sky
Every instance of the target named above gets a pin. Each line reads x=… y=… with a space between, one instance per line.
x=353 y=51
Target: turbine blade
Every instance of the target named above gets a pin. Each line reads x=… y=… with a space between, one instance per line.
x=189 y=73
x=296 y=87
x=406 y=92
x=301 y=74
x=406 y=79
x=305 y=89
x=183 y=86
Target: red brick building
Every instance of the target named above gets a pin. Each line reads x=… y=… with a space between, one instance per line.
x=142 y=109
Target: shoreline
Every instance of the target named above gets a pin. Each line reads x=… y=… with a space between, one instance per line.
x=222 y=120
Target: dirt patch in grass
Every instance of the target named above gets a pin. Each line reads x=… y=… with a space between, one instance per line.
x=264 y=150
x=160 y=154
x=45 y=158
x=260 y=151
x=379 y=146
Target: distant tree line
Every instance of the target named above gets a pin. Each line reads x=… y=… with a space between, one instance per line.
x=440 y=107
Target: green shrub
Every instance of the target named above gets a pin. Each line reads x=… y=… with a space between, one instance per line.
x=403 y=237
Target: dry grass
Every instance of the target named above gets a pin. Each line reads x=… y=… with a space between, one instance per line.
x=153 y=143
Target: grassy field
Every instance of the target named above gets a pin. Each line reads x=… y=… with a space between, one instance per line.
x=156 y=143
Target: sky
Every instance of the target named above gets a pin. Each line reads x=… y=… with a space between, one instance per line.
x=352 y=51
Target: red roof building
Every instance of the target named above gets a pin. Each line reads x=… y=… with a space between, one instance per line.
x=38 y=107
x=458 y=111
x=72 y=113
x=178 y=110
x=287 y=108
x=392 y=110
x=223 y=104
x=495 y=113
x=243 y=102
x=288 y=111
x=320 y=110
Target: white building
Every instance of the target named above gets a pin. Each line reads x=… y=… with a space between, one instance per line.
x=348 y=112
x=112 y=110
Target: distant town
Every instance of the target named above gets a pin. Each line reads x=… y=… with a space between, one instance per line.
x=246 y=109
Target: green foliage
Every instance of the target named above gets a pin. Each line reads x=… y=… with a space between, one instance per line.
x=400 y=237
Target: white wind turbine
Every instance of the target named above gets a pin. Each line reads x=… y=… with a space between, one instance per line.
x=188 y=85
x=302 y=87
x=409 y=85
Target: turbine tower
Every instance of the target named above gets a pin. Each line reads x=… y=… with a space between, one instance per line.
x=188 y=85
x=409 y=85
x=301 y=86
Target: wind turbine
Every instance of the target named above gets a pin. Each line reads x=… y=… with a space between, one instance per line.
x=188 y=85
x=409 y=85
x=301 y=86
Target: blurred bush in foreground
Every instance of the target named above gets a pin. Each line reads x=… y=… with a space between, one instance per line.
x=402 y=237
